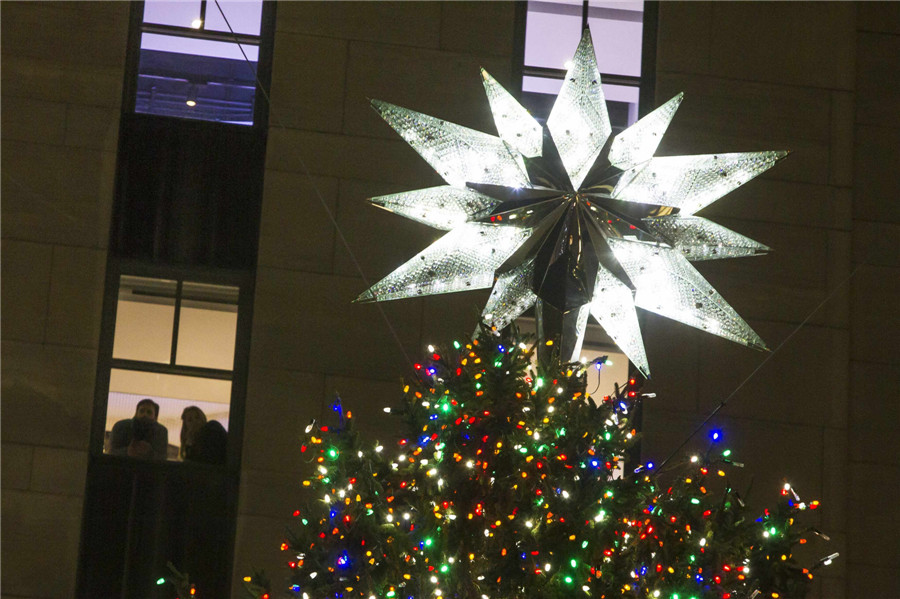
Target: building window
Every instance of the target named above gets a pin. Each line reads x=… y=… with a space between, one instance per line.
x=552 y=32
x=198 y=59
x=174 y=343
x=623 y=33
x=603 y=377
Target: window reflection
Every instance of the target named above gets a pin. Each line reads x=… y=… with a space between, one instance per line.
x=196 y=63
x=552 y=32
x=144 y=319
x=174 y=351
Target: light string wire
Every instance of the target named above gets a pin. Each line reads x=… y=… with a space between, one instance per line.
x=725 y=401
x=312 y=183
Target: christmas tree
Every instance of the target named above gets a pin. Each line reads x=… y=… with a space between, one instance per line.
x=513 y=482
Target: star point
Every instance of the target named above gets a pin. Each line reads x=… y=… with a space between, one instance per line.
x=570 y=221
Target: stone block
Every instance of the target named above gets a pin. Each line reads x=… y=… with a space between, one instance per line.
x=257 y=548
x=451 y=316
x=33 y=523
x=683 y=39
x=295 y=230
x=396 y=23
x=874 y=318
x=29 y=119
x=795 y=44
x=16 y=466
x=59 y=471
x=25 y=290
x=89 y=84
x=877 y=91
x=343 y=156
x=379 y=240
x=76 y=296
x=864 y=580
x=57 y=194
x=308 y=76
x=805 y=265
x=835 y=472
x=842 y=125
x=876 y=244
x=727 y=115
x=49 y=389
x=878 y=16
x=874 y=413
x=478 y=27
x=306 y=322
x=673 y=350
x=872 y=531
x=94 y=127
x=54 y=32
x=444 y=85
x=785 y=203
x=876 y=185
x=271 y=494
x=804 y=380
x=830 y=587
x=366 y=400
x=280 y=404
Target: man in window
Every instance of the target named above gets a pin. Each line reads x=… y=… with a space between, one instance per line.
x=141 y=436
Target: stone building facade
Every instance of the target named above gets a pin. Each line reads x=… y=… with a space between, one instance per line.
x=819 y=79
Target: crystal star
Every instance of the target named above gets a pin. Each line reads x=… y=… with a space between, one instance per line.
x=570 y=221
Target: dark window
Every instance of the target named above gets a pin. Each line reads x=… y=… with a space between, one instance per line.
x=178 y=298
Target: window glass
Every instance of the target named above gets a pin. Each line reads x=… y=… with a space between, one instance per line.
x=552 y=32
x=187 y=45
x=621 y=100
x=602 y=381
x=194 y=74
x=616 y=30
x=196 y=79
x=173 y=393
x=144 y=319
x=244 y=17
x=196 y=321
x=207 y=326
x=166 y=12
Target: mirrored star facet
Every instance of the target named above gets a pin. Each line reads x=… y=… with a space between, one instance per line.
x=463 y=259
x=444 y=207
x=566 y=220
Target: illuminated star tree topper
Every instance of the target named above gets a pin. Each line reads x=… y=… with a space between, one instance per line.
x=570 y=220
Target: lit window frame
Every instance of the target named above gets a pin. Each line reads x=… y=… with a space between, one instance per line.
x=646 y=82
x=265 y=42
x=243 y=280
x=595 y=338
